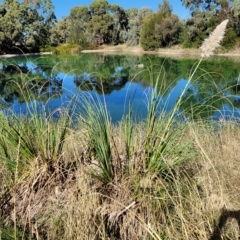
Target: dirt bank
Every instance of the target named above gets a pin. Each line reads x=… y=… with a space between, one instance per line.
x=24 y=54
x=174 y=51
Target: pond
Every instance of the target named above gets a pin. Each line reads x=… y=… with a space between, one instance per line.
x=122 y=81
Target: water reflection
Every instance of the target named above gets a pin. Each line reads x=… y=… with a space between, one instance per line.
x=53 y=80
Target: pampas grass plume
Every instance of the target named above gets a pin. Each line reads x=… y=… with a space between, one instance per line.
x=213 y=41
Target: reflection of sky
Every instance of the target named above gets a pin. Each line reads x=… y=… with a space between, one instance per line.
x=226 y=113
x=118 y=102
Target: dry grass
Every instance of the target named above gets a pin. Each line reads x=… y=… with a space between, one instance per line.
x=141 y=205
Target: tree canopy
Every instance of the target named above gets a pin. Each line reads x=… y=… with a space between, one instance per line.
x=160 y=29
x=30 y=25
x=25 y=24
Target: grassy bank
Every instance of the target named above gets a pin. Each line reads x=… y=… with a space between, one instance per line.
x=119 y=182
x=68 y=176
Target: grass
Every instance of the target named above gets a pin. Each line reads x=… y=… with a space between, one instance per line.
x=140 y=203
x=156 y=179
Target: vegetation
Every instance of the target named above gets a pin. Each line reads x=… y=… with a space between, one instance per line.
x=206 y=15
x=152 y=30
x=160 y=29
x=25 y=25
x=32 y=26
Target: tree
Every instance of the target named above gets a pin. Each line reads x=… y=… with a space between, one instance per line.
x=206 y=15
x=205 y=5
x=160 y=29
x=149 y=39
x=78 y=26
x=97 y=24
x=11 y=27
x=101 y=21
x=25 y=24
x=41 y=19
x=168 y=30
x=60 y=32
x=131 y=34
x=120 y=23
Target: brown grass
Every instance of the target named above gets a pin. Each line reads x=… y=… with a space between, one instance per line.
x=201 y=202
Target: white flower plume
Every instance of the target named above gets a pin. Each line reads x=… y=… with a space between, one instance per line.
x=213 y=41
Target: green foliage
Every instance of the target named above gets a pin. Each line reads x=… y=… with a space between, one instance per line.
x=131 y=35
x=67 y=49
x=77 y=26
x=9 y=233
x=168 y=30
x=206 y=15
x=208 y=5
x=149 y=40
x=25 y=24
x=161 y=29
x=34 y=140
x=97 y=24
x=59 y=32
x=229 y=39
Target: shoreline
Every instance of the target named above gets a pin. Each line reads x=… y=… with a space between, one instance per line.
x=24 y=54
x=177 y=52
x=174 y=51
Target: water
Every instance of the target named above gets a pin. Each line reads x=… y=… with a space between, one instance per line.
x=120 y=82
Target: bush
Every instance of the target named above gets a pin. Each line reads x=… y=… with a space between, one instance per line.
x=230 y=39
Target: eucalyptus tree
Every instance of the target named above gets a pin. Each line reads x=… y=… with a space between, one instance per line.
x=206 y=5
x=131 y=34
x=98 y=23
x=11 y=28
x=41 y=19
x=206 y=15
x=25 y=24
x=60 y=32
x=78 y=26
x=168 y=25
x=120 y=23
x=101 y=22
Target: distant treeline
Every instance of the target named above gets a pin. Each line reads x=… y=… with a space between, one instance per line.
x=31 y=25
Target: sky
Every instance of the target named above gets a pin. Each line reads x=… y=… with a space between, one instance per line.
x=62 y=8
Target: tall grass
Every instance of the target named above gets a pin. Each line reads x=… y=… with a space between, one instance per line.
x=96 y=120
x=37 y=134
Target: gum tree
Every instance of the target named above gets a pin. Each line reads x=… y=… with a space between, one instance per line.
x=25 y=24
x=206 y=15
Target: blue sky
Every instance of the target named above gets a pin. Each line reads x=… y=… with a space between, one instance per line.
x=62 y=8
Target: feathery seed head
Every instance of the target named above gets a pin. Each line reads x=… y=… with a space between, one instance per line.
x=213 y=41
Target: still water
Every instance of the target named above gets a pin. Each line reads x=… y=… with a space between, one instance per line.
x=122 y=81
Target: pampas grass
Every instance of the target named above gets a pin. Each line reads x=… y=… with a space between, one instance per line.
x=213 y=41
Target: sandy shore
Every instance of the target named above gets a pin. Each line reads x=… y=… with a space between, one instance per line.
x=174 y=51
x=24 y=54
